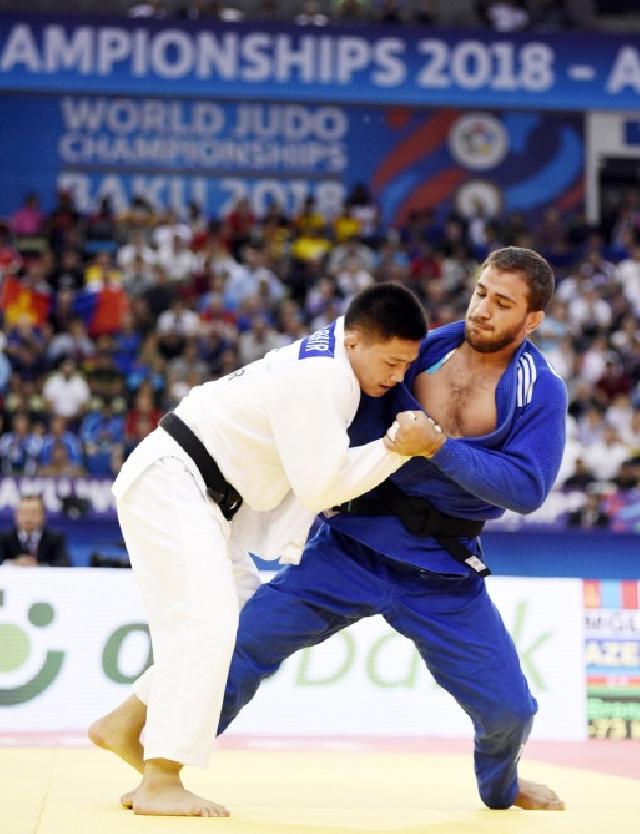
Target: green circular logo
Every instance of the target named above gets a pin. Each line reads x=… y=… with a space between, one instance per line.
x=41 y=614
x=14 y=647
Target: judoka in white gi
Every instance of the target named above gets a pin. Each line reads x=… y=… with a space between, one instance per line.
x=277 y=430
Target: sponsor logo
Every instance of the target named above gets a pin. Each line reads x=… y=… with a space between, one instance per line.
x=15 y=650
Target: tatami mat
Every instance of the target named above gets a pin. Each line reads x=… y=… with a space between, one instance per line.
x=57 y=791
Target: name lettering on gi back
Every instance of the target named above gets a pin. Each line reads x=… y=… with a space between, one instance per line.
x=320 y=343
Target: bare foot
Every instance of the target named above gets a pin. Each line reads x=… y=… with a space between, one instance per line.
x=174 y=801
x=119 y=731
x=126 y=800
x=535 y=797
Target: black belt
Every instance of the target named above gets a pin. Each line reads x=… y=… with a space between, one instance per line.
x=218 y=488
x=420 y=518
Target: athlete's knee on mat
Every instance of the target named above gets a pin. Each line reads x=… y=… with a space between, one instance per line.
x=496 y=799
x=496 y=774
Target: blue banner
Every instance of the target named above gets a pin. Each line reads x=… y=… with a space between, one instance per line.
x=176 y=150
x=84 y=508
x=412 y=66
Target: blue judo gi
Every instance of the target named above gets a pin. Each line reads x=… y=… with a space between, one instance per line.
x=356 y=566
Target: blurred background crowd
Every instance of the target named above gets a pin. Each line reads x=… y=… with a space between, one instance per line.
x=500 y=15
x=108 y=320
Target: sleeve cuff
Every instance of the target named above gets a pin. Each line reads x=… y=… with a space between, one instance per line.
x=446 y=454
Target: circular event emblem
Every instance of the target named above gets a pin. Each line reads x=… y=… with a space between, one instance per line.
x=478 y=141
x=479 y=192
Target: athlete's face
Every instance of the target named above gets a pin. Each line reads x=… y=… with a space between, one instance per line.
x=379 y=366
x=497 y=315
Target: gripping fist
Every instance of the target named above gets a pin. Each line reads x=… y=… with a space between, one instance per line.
x=413 y=433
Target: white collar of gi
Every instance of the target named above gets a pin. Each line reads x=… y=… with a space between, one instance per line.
x=340 y=350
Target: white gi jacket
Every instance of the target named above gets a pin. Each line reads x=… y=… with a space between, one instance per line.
x=277 y=429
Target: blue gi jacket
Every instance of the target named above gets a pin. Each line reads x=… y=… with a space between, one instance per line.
x=513 y=467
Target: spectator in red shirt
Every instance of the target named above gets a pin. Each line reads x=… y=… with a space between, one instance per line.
x=240 y=222
x=614 y=381
x=143 y=414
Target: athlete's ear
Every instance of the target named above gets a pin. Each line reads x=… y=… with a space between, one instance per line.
x=351 y=339
x=534 y=320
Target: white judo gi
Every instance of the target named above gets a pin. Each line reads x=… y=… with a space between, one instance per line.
x=278 y=432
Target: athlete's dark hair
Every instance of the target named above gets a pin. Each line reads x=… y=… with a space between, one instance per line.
x=533 y=268
x=387 y=311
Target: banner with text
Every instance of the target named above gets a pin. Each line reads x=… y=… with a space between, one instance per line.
x=341 y=64
x=72 y=643
x=175 y=151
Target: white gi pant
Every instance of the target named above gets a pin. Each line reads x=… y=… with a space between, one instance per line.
x=178 y=544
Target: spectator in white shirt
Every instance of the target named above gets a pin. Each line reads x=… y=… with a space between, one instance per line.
x=259 y=340
x=136 y=248
x=630 y=434
x=311 y=15
x=73 y=342
x=175 y=326
x=572 y=451
x=353 y=278
x=620 y=413
x=562 y=357
x=594 y=360
x=604 y=456
x=573 y=286
x=628 y=274
x=591 y=426
x=153 y=8
x=265 y=283
x=589 y=310
x=179 y=319
x=506 y=15
x=352 y=248
x=168 y=228
x=66 y=391
x=624 y=338
x=178 y=260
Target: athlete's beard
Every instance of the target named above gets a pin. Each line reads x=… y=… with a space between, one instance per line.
x=493 y=345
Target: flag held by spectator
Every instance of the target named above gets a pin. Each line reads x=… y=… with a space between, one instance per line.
x=102 y=310
x=18 y=301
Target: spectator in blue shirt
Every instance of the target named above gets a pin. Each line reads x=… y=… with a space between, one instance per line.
x=16 y=450
x=58 y=433
x=102 y=433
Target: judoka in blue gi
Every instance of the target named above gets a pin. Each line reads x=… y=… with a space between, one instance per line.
x=491 y=412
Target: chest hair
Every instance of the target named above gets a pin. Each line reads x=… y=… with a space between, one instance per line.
x=463 y=404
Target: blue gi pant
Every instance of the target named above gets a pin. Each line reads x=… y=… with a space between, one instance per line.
x=451 y=620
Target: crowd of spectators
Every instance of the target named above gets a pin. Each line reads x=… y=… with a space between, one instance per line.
x=108 y=320
x=501 y=15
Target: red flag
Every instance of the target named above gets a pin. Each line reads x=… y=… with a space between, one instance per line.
x=111 y=303
x=18 y=301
